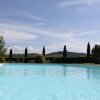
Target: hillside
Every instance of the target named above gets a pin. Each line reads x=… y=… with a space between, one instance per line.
x=30 y=55
x=53 y=54
x=69 y=54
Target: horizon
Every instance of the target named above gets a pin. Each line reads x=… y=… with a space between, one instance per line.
x=14 y=53
x=50 y=23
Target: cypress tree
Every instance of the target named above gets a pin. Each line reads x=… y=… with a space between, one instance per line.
x=88 y=50
x=43 y=52
x=64 y=52
x=26 y=55
x=10 y=54
x=26 y=52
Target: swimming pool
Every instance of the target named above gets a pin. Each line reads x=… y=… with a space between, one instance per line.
x=49 y=82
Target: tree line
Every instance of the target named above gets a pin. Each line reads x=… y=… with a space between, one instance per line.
x=91 y=52
x=65 y=53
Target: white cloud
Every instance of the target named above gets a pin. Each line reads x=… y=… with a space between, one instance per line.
x=32 y=30
x=36 y=20
x=66 y=3
x=18 y=49
x=85 y=33
x=33 y=17
x=16 y=35
x=74 y=46
x=73 y=39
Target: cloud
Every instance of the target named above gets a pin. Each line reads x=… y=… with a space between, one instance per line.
x=52 y=39
x=40 y=24
x=35 y=20
x=18 y=49
x=73 y=45
x=16 y=35
x=33 y=17
x=14 y=28
x=16 y=32
x=85 y=33
x=67 y=3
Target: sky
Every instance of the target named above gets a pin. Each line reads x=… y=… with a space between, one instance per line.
x=50 y=23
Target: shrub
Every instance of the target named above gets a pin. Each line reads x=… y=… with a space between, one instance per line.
x=2 y=59
x=22 y=60
x=96 y=51
x=40 y=59
x=17 y=60
x=11 y=61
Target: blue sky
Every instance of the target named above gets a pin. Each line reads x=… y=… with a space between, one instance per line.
x=53 y=23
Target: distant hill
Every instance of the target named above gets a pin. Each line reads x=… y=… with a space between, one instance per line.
x=30 y=55
x=69 y=54
x=53 y=54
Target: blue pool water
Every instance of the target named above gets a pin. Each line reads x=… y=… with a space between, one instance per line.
x=49 y=82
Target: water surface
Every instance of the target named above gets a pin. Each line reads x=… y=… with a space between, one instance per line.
x=49 y=82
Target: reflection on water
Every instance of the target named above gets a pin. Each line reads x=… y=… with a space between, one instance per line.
x=68 y=71
x=95 y=73
x=64 y=69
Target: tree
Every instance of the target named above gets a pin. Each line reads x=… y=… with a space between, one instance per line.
x=88 y=50
x=96 y=51
x=43 y=52
x=10 y=54
x=26 y=52
x=64 y=52
x=2 y=47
